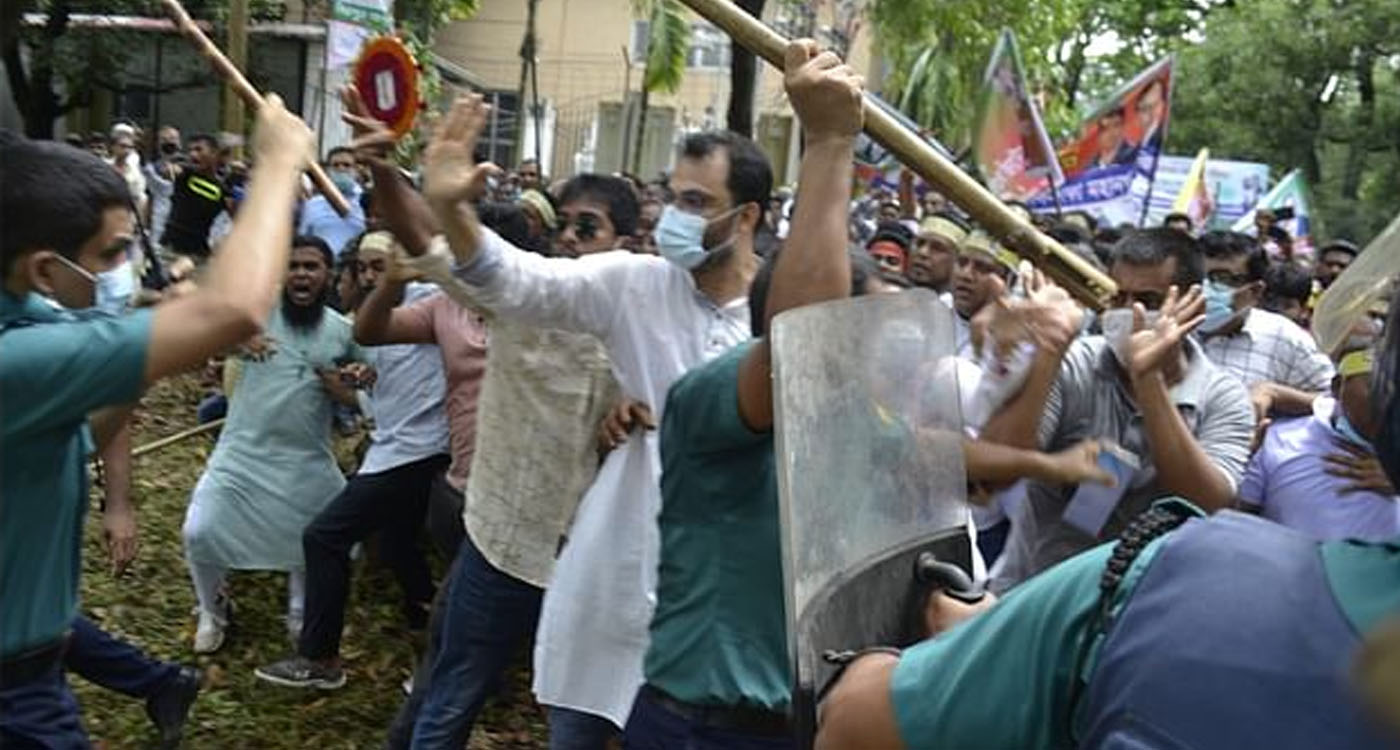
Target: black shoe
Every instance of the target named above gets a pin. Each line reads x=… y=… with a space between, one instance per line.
x=169 y=708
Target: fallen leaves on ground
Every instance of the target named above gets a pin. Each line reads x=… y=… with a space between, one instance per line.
x=152 y=607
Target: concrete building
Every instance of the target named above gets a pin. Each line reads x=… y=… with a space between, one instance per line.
x=591 y=57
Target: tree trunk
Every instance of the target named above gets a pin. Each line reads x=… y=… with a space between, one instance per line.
x=1361 y=128
x=743 y=70
x=633 y=162
x=35 y=98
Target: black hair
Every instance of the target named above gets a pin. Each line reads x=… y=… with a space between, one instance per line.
x=1339 y=246
x=338 y=150
x=863 y=268
x=1177 y=216
x=311 y=240
x=893 y=231
x=1286 y=281
x=1222 y=244
x=1151 y=247
x=614 y=192
x=750 y=177
x=52 y=196
x=1066 y=233
x=204 y=138
x=508 y=220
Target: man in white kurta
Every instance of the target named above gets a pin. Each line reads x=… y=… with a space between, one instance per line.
x=657 y=317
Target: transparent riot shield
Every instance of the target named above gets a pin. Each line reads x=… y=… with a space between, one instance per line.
x=870 y=475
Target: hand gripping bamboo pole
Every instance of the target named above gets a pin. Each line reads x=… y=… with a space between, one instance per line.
x=1087 y=284
x=230 y=73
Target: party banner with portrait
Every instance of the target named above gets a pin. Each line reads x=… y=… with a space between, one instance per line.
x=1109 y=166
x=1010 y=146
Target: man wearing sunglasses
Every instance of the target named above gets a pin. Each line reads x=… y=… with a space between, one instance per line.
x=1144 y=384
x=1276 y=360
x=657 y=317
x=595 y=212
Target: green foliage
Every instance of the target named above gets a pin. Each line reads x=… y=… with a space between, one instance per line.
x=1250 y=79
x=668 y=41
x=424 y=17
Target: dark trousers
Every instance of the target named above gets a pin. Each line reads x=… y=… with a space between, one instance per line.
x=992 y=540
x=487 y=615
x=445 y=517
x=107 y=662
x=652 y=726
x=393 y=502
x=41 y=714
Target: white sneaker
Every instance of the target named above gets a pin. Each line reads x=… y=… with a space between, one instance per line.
x=209 y=634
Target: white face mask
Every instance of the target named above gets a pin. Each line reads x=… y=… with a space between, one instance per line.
x=1117 y=325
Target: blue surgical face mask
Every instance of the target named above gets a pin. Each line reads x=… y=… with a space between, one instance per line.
x=680 y=236
x=345 y=183
x=1348 y=431
x=1220 y=305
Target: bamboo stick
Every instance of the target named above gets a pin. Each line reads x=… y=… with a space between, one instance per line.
x=1086 y=283
x=235 y=79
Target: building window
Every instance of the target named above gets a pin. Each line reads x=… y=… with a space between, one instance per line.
x=709 y=47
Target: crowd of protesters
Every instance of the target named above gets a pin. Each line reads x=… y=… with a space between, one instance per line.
x=567 y=391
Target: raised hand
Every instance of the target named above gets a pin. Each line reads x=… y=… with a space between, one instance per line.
x=280 y=134
x=825 y=92
x=450 y=173
x=374 y=141
x=1151 y=348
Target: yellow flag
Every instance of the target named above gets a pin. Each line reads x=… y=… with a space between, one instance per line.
x=1194 y=200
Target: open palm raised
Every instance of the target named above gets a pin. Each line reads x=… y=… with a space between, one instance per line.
x=450 y=172
x=1152 y=347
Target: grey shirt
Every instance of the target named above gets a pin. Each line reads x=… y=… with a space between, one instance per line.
x=1090 y=399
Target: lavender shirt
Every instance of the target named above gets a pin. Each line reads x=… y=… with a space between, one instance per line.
x=1288 y=482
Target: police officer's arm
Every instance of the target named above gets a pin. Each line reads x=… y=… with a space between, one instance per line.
x=858 y=713
x=826 y=94
x=240 y=290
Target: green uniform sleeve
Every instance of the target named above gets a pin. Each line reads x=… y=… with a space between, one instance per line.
x=1002 y=679
x=54 y=374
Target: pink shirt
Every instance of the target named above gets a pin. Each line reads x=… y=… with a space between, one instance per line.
x=461 y=335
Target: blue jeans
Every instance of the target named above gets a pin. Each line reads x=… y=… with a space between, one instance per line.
x=578 y=730
x=487 y=615
x=654 y=727
x=41 y=714
x=116 y=665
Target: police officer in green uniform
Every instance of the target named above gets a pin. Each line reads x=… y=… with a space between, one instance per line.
x=65 y=376
x=1226 y=632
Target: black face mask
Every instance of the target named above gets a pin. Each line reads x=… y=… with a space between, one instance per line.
x=168 y=148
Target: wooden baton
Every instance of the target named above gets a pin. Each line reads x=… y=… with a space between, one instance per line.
x=231 y=74
x=1086 y=283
